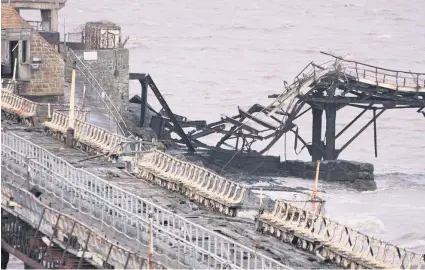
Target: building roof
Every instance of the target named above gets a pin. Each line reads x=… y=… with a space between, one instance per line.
x=10 y=18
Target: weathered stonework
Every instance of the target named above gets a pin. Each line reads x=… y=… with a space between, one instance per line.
x=357 y=174
x=48 y=79
x=111 y=70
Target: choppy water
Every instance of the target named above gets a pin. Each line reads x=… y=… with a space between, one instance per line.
x=208 y=57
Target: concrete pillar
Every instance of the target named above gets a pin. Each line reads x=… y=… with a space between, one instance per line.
x=330 y=131
x=316 y=134
x=54 y=20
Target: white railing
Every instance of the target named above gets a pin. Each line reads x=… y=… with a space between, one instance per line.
x=187 y=242
x=18 y=105
x=196 y=178
x=45 y=218
x=339 y=238
x=93 y=136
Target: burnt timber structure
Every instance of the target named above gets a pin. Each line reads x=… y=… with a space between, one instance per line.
x=322 y=89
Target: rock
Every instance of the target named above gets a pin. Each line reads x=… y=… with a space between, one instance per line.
x=362 y=185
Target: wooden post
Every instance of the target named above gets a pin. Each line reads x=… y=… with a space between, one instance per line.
x=316 y=182
x=84 y=98
x=70 y=130
x=14 y=70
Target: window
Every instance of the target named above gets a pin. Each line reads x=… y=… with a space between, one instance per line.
x=24 y=51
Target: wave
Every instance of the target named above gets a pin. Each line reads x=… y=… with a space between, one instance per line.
x=367 y=225
x=400 y=176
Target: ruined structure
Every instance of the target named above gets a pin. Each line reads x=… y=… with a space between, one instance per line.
x=103 y=198
x=39 y=67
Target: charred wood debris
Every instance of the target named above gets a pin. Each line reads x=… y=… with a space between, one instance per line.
x=325 y=88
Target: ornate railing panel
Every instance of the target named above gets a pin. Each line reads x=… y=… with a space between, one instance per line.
x=194 y=181
x=333 y=240
x=90 y=137
x=18 y=107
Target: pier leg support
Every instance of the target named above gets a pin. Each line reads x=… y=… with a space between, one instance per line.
x=330 y=131
x=4 y=258
x=70 y=138
x=316 y=152
x=144 y=101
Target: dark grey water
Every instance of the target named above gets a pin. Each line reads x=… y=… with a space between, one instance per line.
x=208 y=57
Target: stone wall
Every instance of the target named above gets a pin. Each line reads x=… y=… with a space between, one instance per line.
x=358 y=175
x=249 y=163
x=48 y=80
x=111 y=70
x=353 y=174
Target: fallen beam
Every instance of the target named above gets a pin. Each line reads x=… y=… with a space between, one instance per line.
x=240 y=125
x=255 y=119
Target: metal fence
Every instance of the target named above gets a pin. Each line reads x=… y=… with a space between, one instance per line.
x=185 y=242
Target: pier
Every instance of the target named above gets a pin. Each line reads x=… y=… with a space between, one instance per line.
x=80 y=191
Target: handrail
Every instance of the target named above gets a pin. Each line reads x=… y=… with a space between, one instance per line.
x=192 y=176
x=66 y=224
x=135 y=208
x=363 y=64
x=95 y=84
x=338 y=237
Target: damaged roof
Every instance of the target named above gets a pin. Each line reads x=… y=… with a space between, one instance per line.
x=10 y=18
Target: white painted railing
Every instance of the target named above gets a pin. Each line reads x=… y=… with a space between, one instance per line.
x=186 y=242
x=17 y=105
x=338 y=239
x=198 y=179
x=45 y=218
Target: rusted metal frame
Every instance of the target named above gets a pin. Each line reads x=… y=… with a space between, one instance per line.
x=287 y=125
x=21 y=256
x=64 y=255
x=298 y=137
x=127 y=260
x=51 y=238
x=255 y=119
x=39 y=223
x=165 y=106
x=360 y=131
x=228 y=134
x=301 y=114
x=109 y=253
x=207 y=131
x=84 y=250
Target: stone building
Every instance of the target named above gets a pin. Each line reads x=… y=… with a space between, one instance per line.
x=39 y=66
